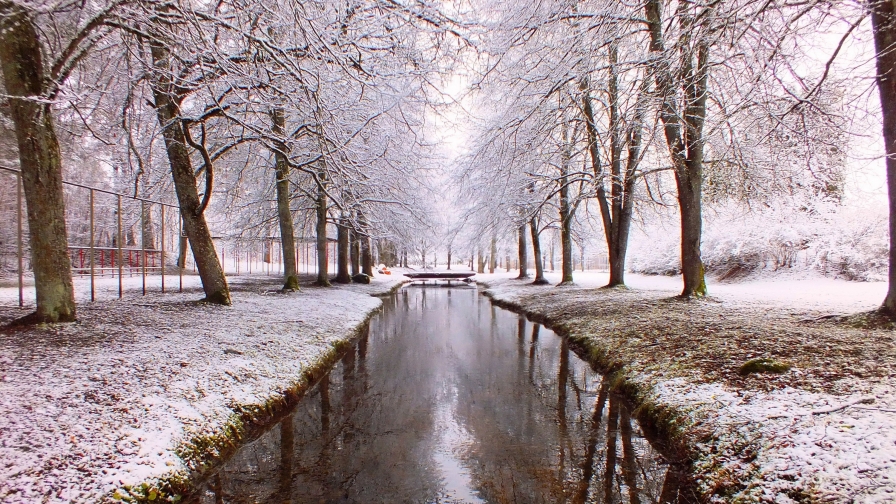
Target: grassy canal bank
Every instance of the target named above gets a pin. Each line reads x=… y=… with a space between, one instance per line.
x=144 y=396
x=769 y=404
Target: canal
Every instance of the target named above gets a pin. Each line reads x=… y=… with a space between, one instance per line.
x=449 y=399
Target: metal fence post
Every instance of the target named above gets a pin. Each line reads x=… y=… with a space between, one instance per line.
x=120 y=255
x=19 y=232
x=162 y=217
x=92 y=253
x=181 y=252
x=143 y=243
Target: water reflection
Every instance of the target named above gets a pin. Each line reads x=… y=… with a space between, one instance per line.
x=448 y=399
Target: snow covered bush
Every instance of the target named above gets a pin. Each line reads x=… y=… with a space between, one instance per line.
x=834 y=241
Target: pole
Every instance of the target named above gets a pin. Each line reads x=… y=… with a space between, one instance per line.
x=181 y=253
x=120 y=255
x=143 y=243
x=162 y=210
x=19 y=238
x=92 y=253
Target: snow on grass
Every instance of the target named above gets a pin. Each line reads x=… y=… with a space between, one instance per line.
x=797 y=291
x=87 y=408
x=806 y=444
x=778 y=439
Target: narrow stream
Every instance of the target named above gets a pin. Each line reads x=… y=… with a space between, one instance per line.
x=450 y=399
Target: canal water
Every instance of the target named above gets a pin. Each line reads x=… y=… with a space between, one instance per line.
x=449 y=399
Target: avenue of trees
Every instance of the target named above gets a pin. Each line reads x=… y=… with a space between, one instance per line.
x=264 y=116
x=252 y=113
x=592 y=107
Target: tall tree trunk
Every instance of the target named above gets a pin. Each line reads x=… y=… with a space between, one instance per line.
x=355 y=255
x=617 y=217
x=147 y=230
x=366 y=252
x=342 y=259
x=366 y=256
x=536 y=248
x=167 y=103
x=322 y=244
x=480 y=262
x=883 y=22
x=182 y=252
x=565 y=211
x=523 y=253
x=284 y=214
x=685 y=147
x=493 y=255
x=449 y=258
x=41 y=164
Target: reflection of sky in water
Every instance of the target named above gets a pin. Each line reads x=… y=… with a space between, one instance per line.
x=456 y=483
x=449 y=399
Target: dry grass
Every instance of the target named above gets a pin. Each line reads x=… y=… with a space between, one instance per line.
x=710 y=341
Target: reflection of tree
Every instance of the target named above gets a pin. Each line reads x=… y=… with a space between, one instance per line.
x=372 y=428
x=216 y=488
x=610 y=458
x=323 y=389
x=562 y=378
x=629 y=459
x=591 y=447
x=287 y=453
x=532 y=347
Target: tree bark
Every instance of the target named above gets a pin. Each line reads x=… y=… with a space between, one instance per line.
x=321 y=232
x=480 y=262
x=523 y=253
x=182 y=252
x=284 y=214
x=493 y=255
x=342 y=259
x=366 y=252
x=147 y=230
x=449 y=259
x=41 y=165
x=883 y=23
x=536 y=248
x=355 y=254
x=167 y=103
x=565 y=212
x=366 y=256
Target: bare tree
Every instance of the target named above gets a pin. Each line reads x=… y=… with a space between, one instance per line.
x=32 y=84
x=883 y=22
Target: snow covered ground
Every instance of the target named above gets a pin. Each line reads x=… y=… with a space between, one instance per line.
x=798 y=291
x=90 y=407
x=835 y=442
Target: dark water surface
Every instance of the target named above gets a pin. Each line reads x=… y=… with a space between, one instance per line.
x=449 y=399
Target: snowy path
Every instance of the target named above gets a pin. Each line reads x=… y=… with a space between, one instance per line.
x=109 y=401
